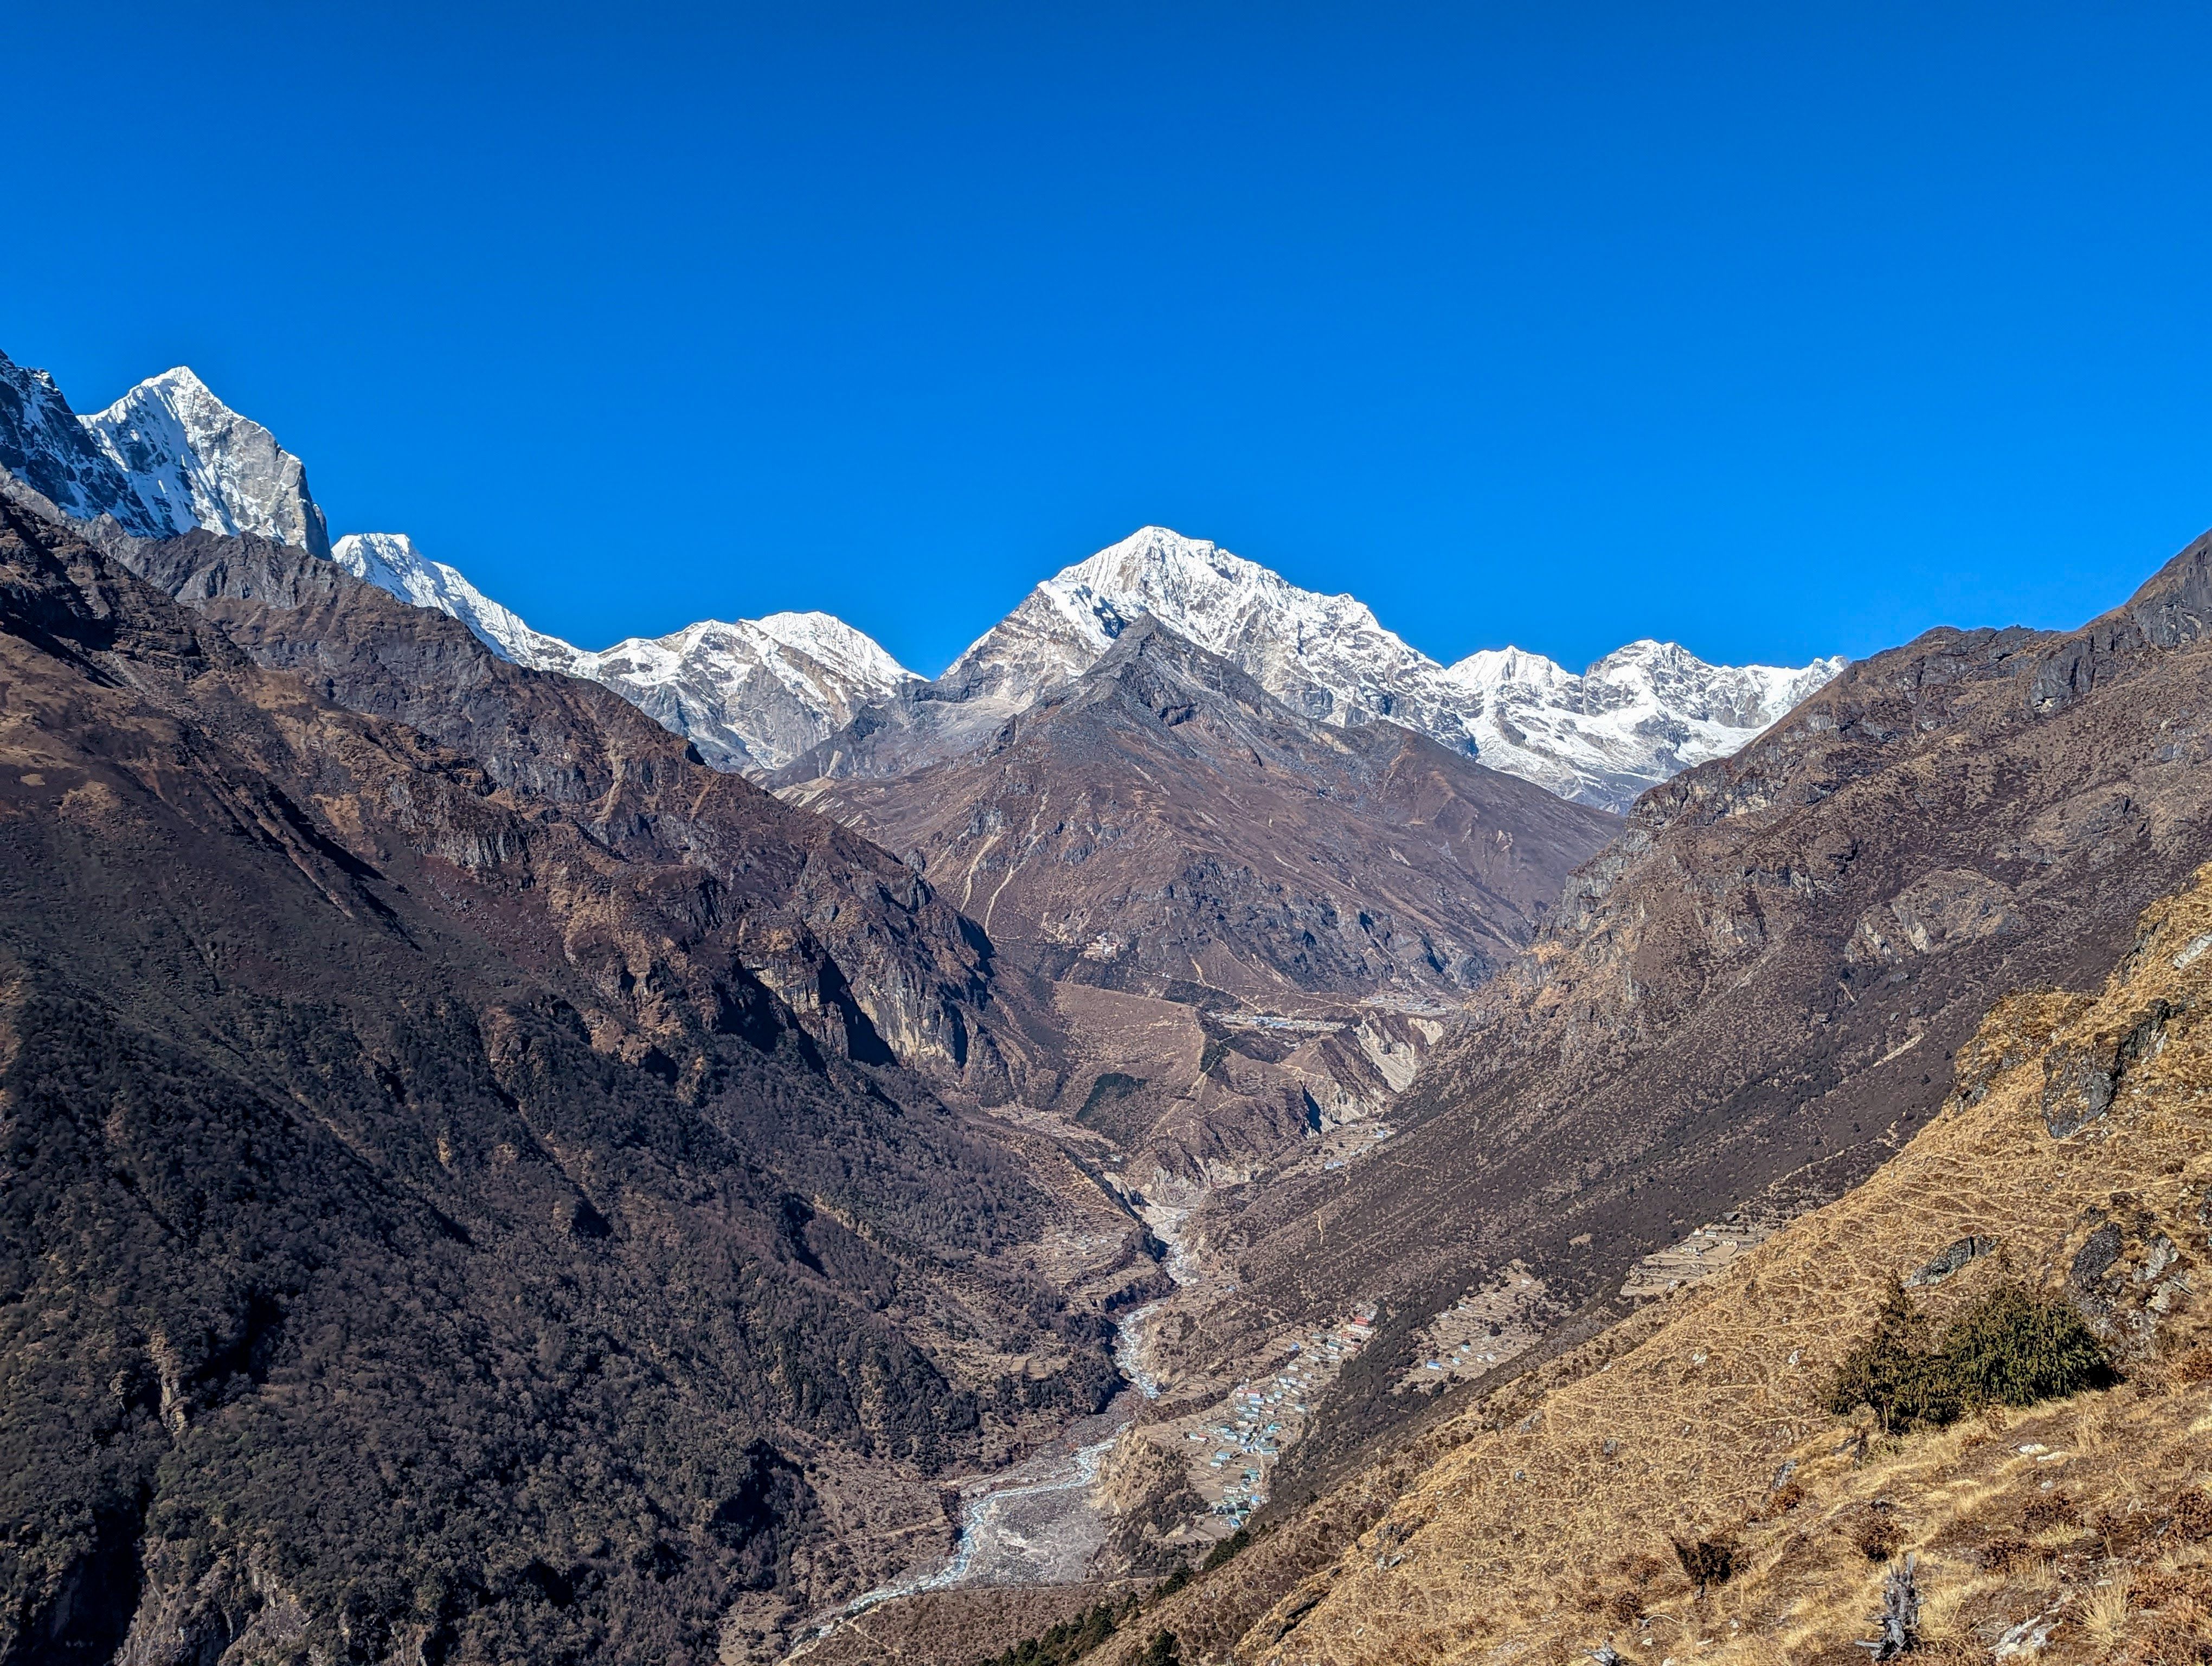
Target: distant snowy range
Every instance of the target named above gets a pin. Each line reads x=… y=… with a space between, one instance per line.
x=794 y=696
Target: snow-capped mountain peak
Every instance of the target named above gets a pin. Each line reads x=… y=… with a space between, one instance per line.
x=189 y=459
x=1498 y=668
x=1199 y=591
x=752 y=694
x=831 y=642
x=1645 y=711
x=390 y=562
x=1638 y=716
x=1326 y=656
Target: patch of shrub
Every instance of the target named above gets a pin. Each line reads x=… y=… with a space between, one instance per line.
x=1707 y=1561
x=1784 y=1499
x=2015 y=1349
x=1164 y=1649
x=1625 y=1607
x=1068 y=1641
x=2012 y=1347
x=2009 y=1552
x=1876 y=1535
x=1225 y=1549
x=2194 y=1367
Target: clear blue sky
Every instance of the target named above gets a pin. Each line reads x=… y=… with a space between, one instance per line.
x=1774 y=330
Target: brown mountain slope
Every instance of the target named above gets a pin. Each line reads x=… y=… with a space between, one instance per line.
x=1751 y=996
x=424 y=1235
x=1540 y=1524
x=1163 y=826
x=730 y=877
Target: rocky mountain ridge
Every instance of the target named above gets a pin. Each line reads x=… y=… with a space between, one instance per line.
x=166 y=457
x=756 y=695
x=1180 y=854
x=1806 y=1025
x=1161 y=823
x=169 y=457
x=1638 y=716
x=751 y=694
x=1746 y=1001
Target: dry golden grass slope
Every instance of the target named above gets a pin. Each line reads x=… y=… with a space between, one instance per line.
x=1543 y=1530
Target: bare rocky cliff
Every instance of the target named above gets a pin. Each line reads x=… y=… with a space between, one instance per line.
x=851 y=939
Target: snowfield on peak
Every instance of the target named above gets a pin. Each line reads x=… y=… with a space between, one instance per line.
x=1318 y=654
x=1638 y=716
x=752 y=694
x=390 y=562
x=189 y=460
x=1642 y=714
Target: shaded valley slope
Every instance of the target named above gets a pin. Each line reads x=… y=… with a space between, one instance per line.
x=1163 y=825
x=2072 y=1164
x=463 y=1199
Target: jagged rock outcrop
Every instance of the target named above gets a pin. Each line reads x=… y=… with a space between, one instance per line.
x=166 y=457
x=188 y=459
x=44 y=445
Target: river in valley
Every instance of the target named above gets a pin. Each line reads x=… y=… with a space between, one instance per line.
x=1035 y=1522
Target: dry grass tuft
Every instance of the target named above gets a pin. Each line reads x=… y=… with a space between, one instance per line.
x=2105 y=1615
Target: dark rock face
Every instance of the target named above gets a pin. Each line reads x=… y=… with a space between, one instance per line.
x=1755 y=993
x=863 y=951
x=426 y=1231
x=1163 y=826
x=43 y=445
x=2080 y=1080
x=1955 y=1256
